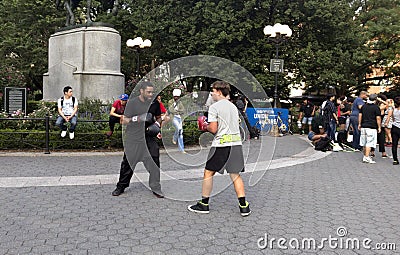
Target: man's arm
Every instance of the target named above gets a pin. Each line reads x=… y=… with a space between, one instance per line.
x=360 y=106
x=300 y=116
x=60 y=112
x=317 y=138
x=212 y=127
x=112 y=112
x=181 y=108
x=159 y=119
x=379 y=122
x=300 y=112
x=335 y=117
x=75 y=109
x=359 y=120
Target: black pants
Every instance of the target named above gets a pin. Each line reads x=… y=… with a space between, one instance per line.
x=112 y=121
x=395 y=141
x=151 y=160
x=381 y=140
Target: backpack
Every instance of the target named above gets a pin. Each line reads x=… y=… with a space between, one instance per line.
x=323 y=145
x=62 y=101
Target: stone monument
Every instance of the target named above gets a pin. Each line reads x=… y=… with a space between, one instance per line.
x=87 y=58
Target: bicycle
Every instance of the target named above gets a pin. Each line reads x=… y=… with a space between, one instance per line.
x=264 y=125
x=282 y=127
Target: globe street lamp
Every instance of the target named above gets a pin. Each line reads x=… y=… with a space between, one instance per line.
x=277 y=34
x=138 y=44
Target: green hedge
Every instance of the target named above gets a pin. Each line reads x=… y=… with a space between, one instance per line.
x=30 y=134
x=27 y=140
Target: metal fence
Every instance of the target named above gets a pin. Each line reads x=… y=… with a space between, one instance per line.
x=49 y=138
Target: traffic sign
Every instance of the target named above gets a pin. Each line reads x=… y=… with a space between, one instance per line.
x=276 y=65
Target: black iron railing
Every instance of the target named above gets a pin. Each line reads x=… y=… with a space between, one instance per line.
x=48 y=138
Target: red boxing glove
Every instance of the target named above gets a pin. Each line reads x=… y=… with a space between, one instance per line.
x=202 y=123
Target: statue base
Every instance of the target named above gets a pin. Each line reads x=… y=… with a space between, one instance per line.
x=87 y=58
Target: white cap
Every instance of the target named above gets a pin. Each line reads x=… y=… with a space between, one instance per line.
x=176 y=93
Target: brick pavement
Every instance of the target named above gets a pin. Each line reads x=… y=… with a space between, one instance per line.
x=305 y=200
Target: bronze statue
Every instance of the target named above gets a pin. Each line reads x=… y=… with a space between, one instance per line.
x=71 y=5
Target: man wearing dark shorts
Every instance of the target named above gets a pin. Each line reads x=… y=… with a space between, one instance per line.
x=307 y=111
x=226 y=149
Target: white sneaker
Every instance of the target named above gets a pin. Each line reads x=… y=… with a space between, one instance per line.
x=336 y=147
x=71 y=135
x=368 y=160
x=63 y=133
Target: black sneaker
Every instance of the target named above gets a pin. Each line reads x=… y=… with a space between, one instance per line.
x=158 y=195
x=118 y=191
x=395 y=162
x=245 y=210
x=199 y=208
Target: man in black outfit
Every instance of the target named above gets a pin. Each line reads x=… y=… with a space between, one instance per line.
x=307 y=111
x=143 y=119
x=329 y=113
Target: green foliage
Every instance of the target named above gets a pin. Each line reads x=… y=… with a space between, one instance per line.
x=25 y=28
x=381 y=28
x=334 y=43
x=92 y=109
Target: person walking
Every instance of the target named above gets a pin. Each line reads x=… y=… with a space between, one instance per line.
x=67 y=109
x=395 y=131
x=226 y=149
x=116 y=112
x=176 y=108
x=355 y=110
x=369 y=120
x=143 y=119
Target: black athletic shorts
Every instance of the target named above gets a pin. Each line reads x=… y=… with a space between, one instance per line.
x=229 y=158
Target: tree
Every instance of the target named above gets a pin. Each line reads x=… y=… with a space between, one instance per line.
x=327 y=47
x=25 y=27
x=381 y=28
x=334 y=43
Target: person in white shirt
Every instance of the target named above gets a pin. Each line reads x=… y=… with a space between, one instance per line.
x=67 y=110
x=226 y=149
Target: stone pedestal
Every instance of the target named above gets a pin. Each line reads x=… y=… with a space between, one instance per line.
x=89 y=60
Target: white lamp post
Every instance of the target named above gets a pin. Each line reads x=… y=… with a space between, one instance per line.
x=138 y=44
x=277 y=34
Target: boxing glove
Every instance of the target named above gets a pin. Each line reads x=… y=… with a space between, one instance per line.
x=202 y=123
x=145 y=117
x=153 y=130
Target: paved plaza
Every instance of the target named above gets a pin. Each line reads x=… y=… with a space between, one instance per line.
x=302 y=201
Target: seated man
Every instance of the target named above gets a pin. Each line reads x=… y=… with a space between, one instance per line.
x=315 y=137
x=319 y=138
x=116 y=112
